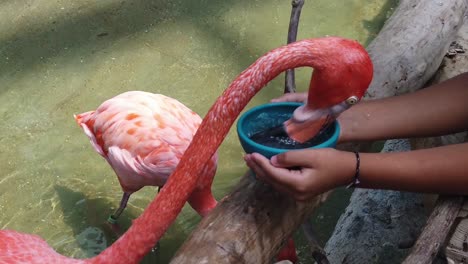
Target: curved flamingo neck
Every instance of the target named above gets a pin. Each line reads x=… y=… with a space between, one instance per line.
x=162 y=211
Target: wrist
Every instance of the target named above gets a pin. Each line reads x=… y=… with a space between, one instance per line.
x=356 y=178
x=345 y=123
x=355 y=122
x=347 y=169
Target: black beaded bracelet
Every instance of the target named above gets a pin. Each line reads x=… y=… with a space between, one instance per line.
x=356 y=180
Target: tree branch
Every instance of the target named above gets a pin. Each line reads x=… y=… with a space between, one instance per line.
x=289 y=82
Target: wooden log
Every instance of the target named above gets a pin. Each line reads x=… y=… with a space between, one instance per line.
x=410 y=48
x=248 y=226
x=454 y=63
x=411 y=45
x=251 y=223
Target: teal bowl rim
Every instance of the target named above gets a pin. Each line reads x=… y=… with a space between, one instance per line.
x=330 y=142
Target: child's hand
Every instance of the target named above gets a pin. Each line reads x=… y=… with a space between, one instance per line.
x=291 y=97
x=318 y=171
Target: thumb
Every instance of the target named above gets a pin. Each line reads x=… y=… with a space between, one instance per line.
x=294 y=158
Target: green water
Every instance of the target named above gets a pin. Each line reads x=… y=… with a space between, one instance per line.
x=62 y=57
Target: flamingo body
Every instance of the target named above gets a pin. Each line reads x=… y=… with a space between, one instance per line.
x=326 y=55
x=18 y=248
x=142 y=136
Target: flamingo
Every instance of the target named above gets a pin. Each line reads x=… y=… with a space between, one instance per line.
x=343 y=70
x=143 y=136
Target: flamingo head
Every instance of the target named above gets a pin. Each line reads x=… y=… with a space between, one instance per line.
x=343 y=73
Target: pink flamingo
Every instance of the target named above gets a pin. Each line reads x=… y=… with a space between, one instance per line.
x=143 y=136
x=343 y=70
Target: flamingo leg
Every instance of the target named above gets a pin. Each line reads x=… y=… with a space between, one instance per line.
x=123 y=203
x=113 y=217
x=288 y=252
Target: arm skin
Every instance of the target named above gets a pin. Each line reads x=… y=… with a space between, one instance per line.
x=434 y=170
x=437 y=110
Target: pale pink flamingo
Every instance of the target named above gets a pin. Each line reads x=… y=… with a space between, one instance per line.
x=143 y=136
x=343 y=70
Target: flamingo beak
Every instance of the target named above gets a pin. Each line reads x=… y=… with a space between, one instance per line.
x=308 y=122
x=304 y=131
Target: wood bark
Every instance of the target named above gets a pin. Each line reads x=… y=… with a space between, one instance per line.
x=248 y=226
x=436 y=231
x=456 y=250
x=251 y=223
x=411 y=45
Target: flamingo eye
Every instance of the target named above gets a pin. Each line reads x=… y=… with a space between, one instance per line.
x=352 y=100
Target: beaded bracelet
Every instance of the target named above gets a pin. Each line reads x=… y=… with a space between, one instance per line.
x=356 y=180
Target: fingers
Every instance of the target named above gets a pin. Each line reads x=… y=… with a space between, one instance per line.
x=291 y=97
x=282 y=179
x=318 y=171
x=256 y=164
x=295 y=158
x=261 y=175
x=289 y=182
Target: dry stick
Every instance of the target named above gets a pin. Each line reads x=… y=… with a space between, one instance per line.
x=290 y=87
x=318 y=253
x=289 y=82
x=436 y=231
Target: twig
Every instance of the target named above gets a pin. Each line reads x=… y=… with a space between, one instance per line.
x=317 y=251
x=289 y=82
x=290 y=87
x=437 y=229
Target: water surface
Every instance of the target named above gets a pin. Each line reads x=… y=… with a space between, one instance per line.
x=62 y=57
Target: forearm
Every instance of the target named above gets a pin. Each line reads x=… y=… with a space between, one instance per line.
x=436 y=170
x=437 y=110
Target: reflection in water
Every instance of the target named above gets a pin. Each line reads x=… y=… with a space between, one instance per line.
x=84 y=216
x=92 y=240
x=59 y=58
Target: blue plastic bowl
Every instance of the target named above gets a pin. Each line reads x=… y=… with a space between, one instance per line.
x=267 y=116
